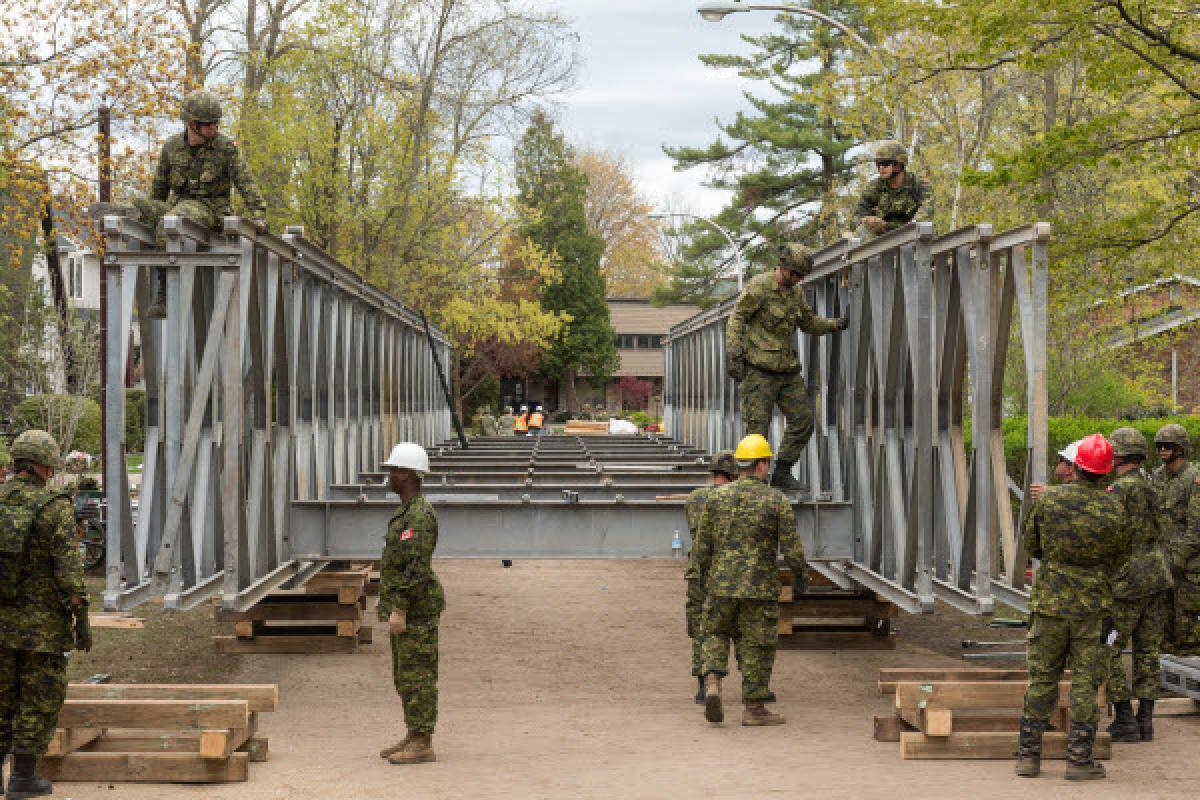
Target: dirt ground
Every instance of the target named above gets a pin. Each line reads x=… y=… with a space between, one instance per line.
x=570 y=680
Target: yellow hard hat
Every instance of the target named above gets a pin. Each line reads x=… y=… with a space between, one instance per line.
x=752 y=448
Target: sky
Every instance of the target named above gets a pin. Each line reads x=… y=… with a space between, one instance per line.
x=641 y=85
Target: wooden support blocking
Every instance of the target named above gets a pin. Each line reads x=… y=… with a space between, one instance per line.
x=159 y=733
x=827 y=617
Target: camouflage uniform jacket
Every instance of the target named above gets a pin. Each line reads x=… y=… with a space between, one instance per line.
x=54 y=573
x=1174 y=494
x=744 y=527
x=208 y=173
x=693 y=510
x=896 y=207
x=406 y=577
x=1148 y=571
x=1184 y=550
x=506 y=423
x=1081 y=535
x=762 y=328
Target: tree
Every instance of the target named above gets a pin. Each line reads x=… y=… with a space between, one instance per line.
x=553 y=190
x=618 y=213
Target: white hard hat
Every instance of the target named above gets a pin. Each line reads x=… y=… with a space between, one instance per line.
x=1071 y=451
x=409 y=455
x=524 y=407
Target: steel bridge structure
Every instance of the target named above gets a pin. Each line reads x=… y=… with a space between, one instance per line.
x=909 y=407
x=277 y=373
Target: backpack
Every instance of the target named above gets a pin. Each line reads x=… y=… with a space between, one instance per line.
x=16 y=527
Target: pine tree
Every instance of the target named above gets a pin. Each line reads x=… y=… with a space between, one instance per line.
x=785 y=161
x=552 y=190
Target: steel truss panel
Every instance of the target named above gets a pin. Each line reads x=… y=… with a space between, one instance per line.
x=1182 y=675
x=932 y=321
x=276 y=372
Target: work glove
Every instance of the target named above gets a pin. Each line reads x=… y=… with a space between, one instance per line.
x=397 y=622
x=875 y=225
x=260 y=224
x=83 y=629
x=735 y=368
x=843 y=322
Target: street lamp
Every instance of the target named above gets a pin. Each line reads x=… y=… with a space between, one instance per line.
x=737 y=251
x=717 y=10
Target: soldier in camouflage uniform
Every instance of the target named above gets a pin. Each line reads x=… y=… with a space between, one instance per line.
x=411 y=600
x=744 y=527
x=506 y=422
x=41 y=590
x=1140 y=593
x=724 y=469
x=895 y=198
x=489 y=423
x=1081 y=536
x=1174 y=481
x=760 y=348
x=196 y=174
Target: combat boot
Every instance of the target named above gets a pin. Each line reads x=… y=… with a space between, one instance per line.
x=1145 y=719
x=395 y=747
x=24 y=782
x=755 y=714
x=418 y=750
x=1080 y=764
x=713 y=712
x=1029 y=748
x=770 y=698
x=1124 y=727
x=699 y=690
x=781 y=477
x=158 y=306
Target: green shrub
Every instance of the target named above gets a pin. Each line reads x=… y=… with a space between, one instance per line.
x=642 y=419
x=31 y=413
x=135 y=420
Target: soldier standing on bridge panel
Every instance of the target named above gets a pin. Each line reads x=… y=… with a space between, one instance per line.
x=41 y=589
x=1140 y=593
x=1176 y=482
x=196 y=174
x=724 y=470
x=895 y=198
x=1081 y=535
x=744 y=527
x=411 y=600
x=760 y=348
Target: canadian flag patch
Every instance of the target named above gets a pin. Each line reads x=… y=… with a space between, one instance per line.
x=408 y=534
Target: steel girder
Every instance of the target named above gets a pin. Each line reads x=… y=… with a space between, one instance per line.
x=931 y=324
x=276 y=373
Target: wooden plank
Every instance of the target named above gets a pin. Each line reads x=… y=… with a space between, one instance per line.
x=284 y=644
x=1176 y=707
x=834 y=607
x=969 y=694
x=890 y=676
x=258 y=696
x=144 y=768
x=888 y=727
x=68 y=740
x=221 y=743
x=289 y=611
x=989 y=745
x=121 y=623
x=786 y=595
x=329 y=582
x=836 y=640
x=348 y=627
x=366 y=634
x=244 y=629
x=126 y=713
x=349 y=595
x=256 y=747
x=783 y=626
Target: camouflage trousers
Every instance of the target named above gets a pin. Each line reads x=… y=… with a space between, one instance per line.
x=1183 y=620
x=693 y=611
x=33 y=687
x=414 y=673
x=1142 y=621
x=197 y=211
x=1053 y=643
x=753 y=627
x=761 y=390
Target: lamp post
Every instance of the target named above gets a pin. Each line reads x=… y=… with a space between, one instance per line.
x=737 y=251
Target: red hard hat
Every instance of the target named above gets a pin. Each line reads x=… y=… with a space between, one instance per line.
x=1095 y=454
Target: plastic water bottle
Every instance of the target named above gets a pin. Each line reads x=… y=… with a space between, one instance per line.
x=676 y=546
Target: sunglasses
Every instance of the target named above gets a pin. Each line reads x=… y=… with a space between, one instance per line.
x=882 y=164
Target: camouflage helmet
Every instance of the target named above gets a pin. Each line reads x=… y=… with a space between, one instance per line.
x=795 y=258
x=38 y=447
x=1129 y=442
x=724 y=462
x=201 y=106
x=891 y=150
x=1172 y=433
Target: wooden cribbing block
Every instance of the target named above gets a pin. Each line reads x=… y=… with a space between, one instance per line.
x=786 y=595
x=929 y=721
x=348 y=627
x=160 y=714
x=244 y=629
x=256 y=747
x=888 y=727
x=258 y=696
x=366 y=634
x=284 y=644
x=991 y=745
x=144 y=768
x=109 y=621
x=68 y=740
x=890 y=676
x=833 y=606
x=293 y=608
x=860 y=639
x=168 y=742
x=324 y=582
x=970 y=694
x=220 y=743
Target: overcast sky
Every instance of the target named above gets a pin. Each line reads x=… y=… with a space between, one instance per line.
x=641 y=85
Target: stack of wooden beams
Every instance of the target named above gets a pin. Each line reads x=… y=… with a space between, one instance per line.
x=584 y=427
x=828 y=617
x=968 y=714
x=324 y=616
x=158 y=733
